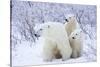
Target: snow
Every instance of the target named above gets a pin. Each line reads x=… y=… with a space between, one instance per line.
x=26 y=15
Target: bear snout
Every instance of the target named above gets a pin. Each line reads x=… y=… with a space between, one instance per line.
x=73 y=37
x=66 y=20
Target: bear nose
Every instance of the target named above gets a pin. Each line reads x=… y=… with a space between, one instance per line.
x=36 y=35
x=73 y=37
x=66 y=20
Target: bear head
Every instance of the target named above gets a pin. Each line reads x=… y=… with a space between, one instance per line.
x=70 y=18
x=76 y=34
x=40 y=29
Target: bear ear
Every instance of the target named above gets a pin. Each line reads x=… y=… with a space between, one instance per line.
x=81 y=31
x=69 y=17
x=74 y=16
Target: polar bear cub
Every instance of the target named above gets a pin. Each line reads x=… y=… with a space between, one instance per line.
x=76 y=39
x=55 y=41
x=71 y=24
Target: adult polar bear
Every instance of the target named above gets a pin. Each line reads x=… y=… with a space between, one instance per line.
x=55 y=41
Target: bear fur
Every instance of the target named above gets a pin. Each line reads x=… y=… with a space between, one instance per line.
x=75 y=40
x=71 y=24
x=56 y=43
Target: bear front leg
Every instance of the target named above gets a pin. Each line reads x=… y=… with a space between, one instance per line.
x=47 y=55
x=48 y=50
x=65 y=55
x=79 y=53
x=74 y=54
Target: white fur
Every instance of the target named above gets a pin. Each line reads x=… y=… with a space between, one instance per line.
x=71 y=25
x=76 y=43
x=55 y=36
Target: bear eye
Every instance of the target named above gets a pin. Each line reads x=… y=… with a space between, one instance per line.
x=48 y=26
x=41 y=29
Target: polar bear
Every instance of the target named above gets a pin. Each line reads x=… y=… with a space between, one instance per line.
x=71 y=24
x=56 y=43
x=75 y=40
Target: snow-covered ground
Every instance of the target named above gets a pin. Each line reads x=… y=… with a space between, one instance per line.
x=27 y=14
